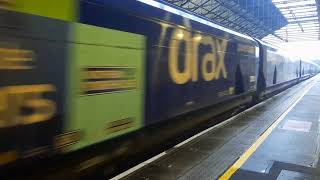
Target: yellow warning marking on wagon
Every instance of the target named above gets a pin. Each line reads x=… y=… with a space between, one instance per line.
x=245 y=156
x=7 y=157
x=16 y=59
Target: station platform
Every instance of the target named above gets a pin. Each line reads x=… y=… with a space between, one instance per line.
x=275 y=139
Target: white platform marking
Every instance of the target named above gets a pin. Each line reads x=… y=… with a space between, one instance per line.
x=294 y=125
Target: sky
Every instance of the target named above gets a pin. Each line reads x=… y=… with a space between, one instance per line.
x=309 y=50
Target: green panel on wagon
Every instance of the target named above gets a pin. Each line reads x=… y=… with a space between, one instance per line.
x=106 y=85
x=66 y=10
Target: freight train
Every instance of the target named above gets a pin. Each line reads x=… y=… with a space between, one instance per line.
x=78 y=73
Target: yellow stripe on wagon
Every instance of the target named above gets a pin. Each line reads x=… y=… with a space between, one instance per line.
x=57 y=9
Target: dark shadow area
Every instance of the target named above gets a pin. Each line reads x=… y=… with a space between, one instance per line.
x=239 y=87
x=275 y=75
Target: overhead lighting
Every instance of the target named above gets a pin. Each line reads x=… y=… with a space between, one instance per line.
x=302 y=8
x=298 y=36
x=297 y=31
x=306 y=13
x=301 y=38
x=314 y=32
x=289 y=14
x=298 y=15
x=285 y=1
x=303 y=19
x=294 y=4
x=303 y=24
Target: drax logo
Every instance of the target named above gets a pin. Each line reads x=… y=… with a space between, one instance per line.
x=211 y=65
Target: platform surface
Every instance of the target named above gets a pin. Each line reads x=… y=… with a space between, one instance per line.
x=289 y=151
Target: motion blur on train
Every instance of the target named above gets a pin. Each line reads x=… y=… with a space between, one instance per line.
x=77 y=74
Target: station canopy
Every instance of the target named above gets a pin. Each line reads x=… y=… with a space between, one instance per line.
x=274 y=21
x=303 y=18
x=256 y=18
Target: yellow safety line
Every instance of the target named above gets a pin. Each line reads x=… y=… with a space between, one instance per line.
x=244 y=157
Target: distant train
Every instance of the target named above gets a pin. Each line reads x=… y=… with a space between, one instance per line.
x=79 y=73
